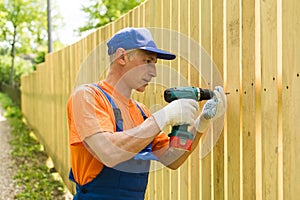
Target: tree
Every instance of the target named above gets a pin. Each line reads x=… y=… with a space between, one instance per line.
x=2 y=15
x=24 y=29
x=102 y=12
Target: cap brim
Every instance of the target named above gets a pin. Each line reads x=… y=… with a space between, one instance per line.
x=160 y=53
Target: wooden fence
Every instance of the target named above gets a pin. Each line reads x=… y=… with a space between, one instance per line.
x=253 y=45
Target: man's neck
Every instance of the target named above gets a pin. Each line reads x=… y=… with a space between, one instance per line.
x=118 y=85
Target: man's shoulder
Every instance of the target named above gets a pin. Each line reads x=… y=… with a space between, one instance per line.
x=83 y=88
x=88 y=92
x=144 y=108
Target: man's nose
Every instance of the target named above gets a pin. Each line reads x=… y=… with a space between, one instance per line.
x=152 y=70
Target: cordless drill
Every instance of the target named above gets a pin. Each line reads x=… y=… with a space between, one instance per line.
x=179 y=136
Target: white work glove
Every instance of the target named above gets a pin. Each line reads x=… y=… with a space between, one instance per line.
x=212 y=109
x=181 y=111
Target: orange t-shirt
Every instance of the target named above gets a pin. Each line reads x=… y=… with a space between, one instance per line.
x=89 y=112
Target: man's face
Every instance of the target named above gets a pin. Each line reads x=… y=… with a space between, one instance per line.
x=140 y=69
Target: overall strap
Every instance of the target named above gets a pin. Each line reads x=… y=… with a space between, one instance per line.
x=146 y=153
x=144 y=115
x=116 y=110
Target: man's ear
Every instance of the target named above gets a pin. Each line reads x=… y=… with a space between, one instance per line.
x=120 y=56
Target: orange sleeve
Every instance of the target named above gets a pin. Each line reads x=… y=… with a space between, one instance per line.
x=88 y=113
x=160 y=144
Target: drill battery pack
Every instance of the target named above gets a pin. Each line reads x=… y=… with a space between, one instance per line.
x=180 y=138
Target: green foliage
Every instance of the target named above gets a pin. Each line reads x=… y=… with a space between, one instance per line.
x=21 y=67
x=4 y=69
x=39 y=59
x=3 y=15
x=102 y=12
x=32 y=175
x=25 y=25
x=29 y=20
x=24 y=29
x=5 y=101
x=13 y=112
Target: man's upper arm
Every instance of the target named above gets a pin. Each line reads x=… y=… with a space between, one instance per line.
x=90 y=112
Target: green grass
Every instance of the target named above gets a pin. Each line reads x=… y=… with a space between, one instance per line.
x=32 y=175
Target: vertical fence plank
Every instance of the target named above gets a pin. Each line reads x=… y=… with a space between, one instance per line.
x=233 y=83
x=183 y=70
x=217 y=57
x=136 y=17
x=166 y=44
x=269 y=101
x=59 y=112
x=248 y=98
x=291 y=98
x=156 y=90
x=47 y=102
x=90 y=57
x=52 y=119
x=97 y=54
x=38 y=91
x=174 y=24
x=55 y=110
x=194 y=77
x=206 y=67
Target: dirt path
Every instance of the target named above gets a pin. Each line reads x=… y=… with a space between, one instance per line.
x=7 y=189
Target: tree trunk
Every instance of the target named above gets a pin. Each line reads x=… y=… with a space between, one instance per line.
x=13 y=52
x=50 y=45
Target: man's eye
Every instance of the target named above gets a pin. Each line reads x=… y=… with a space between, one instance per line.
x=150 y=60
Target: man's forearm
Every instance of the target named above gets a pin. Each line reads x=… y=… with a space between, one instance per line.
x=114 y=148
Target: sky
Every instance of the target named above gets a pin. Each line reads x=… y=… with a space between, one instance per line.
x=73 y=18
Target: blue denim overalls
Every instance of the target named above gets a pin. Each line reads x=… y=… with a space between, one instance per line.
x=126 y=181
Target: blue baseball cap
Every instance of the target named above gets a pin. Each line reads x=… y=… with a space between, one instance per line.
x=136 y=38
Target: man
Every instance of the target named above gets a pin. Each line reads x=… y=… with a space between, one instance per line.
x=113 y=138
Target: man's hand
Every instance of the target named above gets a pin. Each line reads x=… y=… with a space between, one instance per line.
x=212 y=109
x=181 y=111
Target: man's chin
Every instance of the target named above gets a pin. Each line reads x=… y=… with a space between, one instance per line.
x=142 y=88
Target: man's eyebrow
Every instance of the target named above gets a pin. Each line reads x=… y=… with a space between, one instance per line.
x=152 y=55
x=153 y=58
